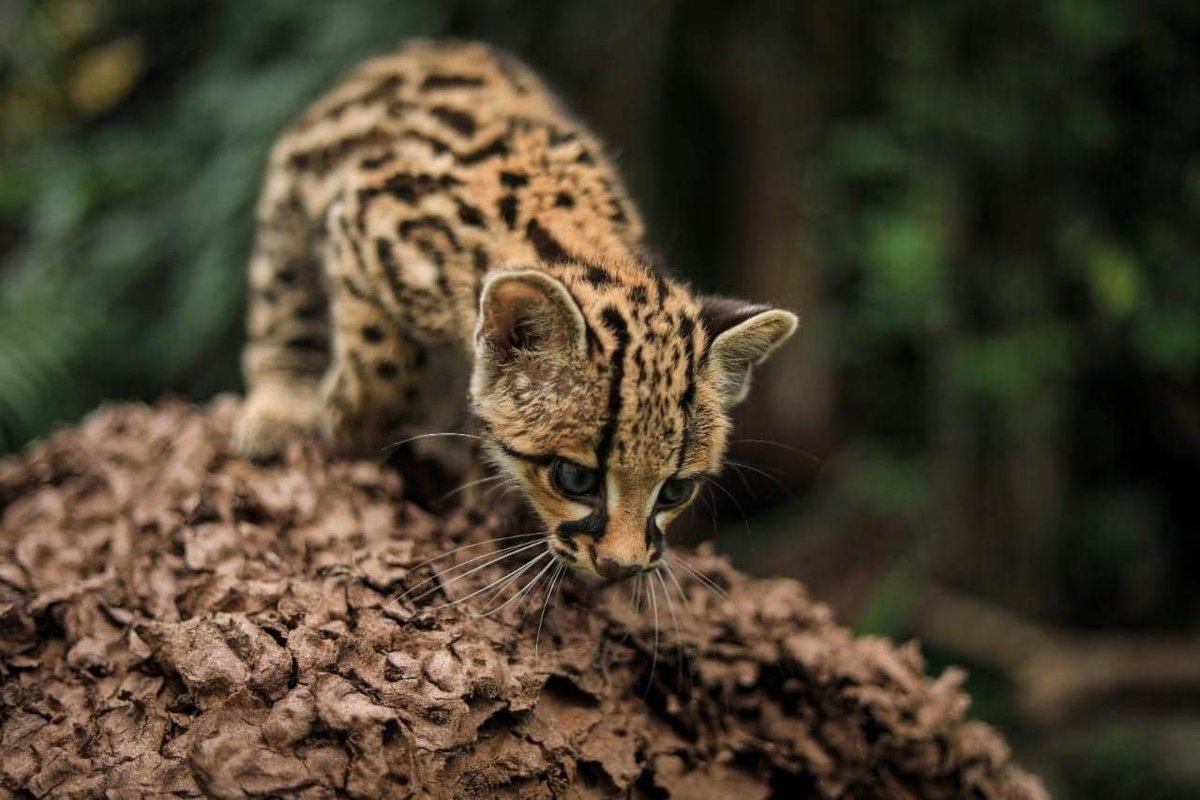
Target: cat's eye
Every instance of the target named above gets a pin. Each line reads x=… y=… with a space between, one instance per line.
x=675 y=491
x=574 y=480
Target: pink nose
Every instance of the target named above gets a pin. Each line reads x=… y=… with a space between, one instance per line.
x=610 y=568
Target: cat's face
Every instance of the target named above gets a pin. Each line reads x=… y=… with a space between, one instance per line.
x=607 y=401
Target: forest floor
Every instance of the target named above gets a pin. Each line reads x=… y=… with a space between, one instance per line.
x=174 y=619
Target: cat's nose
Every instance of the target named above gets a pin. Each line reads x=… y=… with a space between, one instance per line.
x=610 y=568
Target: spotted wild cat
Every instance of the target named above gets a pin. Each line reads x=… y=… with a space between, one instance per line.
x=441 y=198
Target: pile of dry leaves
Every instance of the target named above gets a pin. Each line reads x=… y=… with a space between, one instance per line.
x=176 y=620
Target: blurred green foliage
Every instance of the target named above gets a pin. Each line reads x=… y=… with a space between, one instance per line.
x=1005 y=199
x=126 y=200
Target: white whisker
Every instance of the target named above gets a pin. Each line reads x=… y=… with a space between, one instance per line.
x=654 y=658
x=505 y=488
x=760 y=471
x=468 y=485
x=493 y=559
x=811 y=456
x=457 y=550
x=708 y=503
x=737 y=471
x=695 y=573
x=736 y=504
x=501 y=583
x=682 y=594
x=555 y=582
x=675 y=622
x=524 y=590
x=403 y=442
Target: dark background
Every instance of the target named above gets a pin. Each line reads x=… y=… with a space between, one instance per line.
x=986 y=434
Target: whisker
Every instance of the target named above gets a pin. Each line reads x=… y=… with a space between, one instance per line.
x=737 y=471
x=654 y=658
x=811 y=456
x=705 y=581
x=524 y=590
x=680 y=654
x=555 y=582
x=736 y=504
x=695 y=573
x=635 y=600
x=494 y=558
x=468 y=485
x=712 y=510
x=455 y=551
x=503 y=551
x=679 y=587
x=403 y=442
x=504 y=582
x=505 y=488
x=764 y=473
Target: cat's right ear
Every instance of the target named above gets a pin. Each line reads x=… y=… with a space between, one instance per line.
x=525 y=312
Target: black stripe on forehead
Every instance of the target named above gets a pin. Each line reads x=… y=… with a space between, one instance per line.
x=684 y=441
x=619 y=328
x=687 y=330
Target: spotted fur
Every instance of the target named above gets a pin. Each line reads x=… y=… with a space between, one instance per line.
x=442 y=198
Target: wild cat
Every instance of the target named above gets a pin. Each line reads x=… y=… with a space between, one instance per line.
x=442 y=197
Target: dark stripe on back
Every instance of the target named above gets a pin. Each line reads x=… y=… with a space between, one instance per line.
x=598 y=276
x=469 y=215
x=494 y=148
x=391 y=268
x=353 y=289
x=321 y=160
x=356 y=252
x=441 y=80
x=312 y=343
x=411 y=187
x=409 y=226
x=507 y=206
x=513 y=180
x=479 y=260
x=457 y=120
x=375 y=162
x=382 y=90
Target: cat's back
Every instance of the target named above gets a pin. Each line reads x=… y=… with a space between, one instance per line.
x=448 y=103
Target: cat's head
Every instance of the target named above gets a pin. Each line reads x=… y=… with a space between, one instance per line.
x=604 y=391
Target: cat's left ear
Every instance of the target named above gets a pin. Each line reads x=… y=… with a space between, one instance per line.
x=741 y=336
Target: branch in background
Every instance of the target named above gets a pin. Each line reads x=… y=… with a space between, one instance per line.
x=1057 y=671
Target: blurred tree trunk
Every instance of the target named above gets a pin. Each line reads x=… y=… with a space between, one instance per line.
x=767 y=70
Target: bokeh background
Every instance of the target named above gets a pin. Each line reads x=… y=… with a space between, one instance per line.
x=986 y=435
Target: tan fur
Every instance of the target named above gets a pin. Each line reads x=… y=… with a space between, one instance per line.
x=443 y=196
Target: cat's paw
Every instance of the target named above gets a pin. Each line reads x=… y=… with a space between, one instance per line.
x=274 y=415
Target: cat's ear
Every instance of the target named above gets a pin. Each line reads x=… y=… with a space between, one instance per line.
x=741 y=335
x=526 y=312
